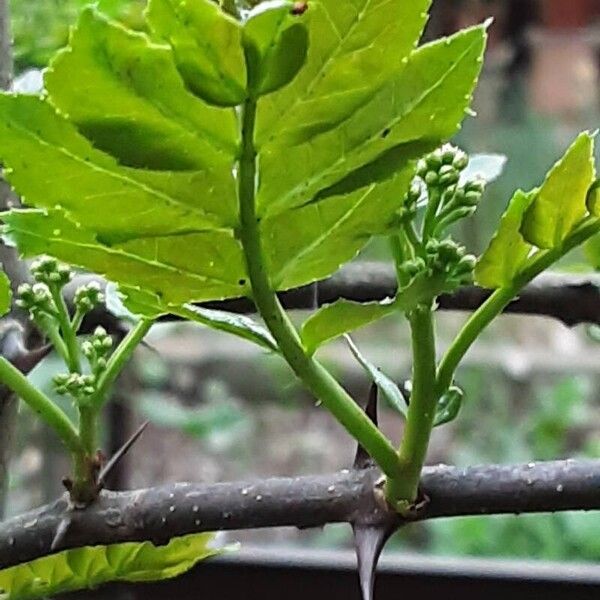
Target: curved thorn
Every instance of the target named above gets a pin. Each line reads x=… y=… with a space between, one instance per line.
x=369 y=541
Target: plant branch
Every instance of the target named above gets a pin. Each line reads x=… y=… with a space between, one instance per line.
x=317 y=379
x=178 y=509
x=119 y=359
x=403 y=490
x=40 y=403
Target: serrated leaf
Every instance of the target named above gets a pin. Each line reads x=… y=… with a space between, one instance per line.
x=89 y=567
x=507 y=251
x=389 y=390
x=561 y=201
x=276 y=42
x=353 y=48
x=144 y=303
x=426 y=101
x=51 y=164
x=161 y=265
x=343 y=316
x=332 y=231
x=119 y=107
x=207 y=44
x=334 y=320
x=5 y=293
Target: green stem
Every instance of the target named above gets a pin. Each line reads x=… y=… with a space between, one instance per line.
x=41 y=404
x=502 y=297
x=317 y=379
x=48 y=325
x=68 y=333
x=77 y=320
x=119 y=359
x=433 y=204
x=402 y=490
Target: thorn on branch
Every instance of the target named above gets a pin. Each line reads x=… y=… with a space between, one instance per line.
x=118 y=456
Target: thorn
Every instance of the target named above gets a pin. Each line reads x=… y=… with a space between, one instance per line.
x=61 y=533
x=119 y=454
x=362 y=460
x=369 y=541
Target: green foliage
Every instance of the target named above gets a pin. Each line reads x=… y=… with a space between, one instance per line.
x=5 y=293
x=560 y=203
x=92 y=566
x=543 y=219
x=167 y=153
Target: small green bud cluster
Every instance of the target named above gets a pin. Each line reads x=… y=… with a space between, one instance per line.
x=459 y=202
x=48 y=270
x=408 y=211
x=36 y=299
x=97 y=350
x=75 y=384
x=449 y=258
x=442 y=168
x=88 y=296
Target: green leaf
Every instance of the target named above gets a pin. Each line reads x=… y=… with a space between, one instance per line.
x=276 y=43
x=389 y=390
x=144 y=303
x=426 y=101
x=207 y=44
x=50 y=164
x=507 y=251
x=561 y=201
x=448 y=406
x=353 y=48
x=119 y=107
x=89 y=567
x=334 y=320
x=5 y=293
x=164 y=266
x=332 y=231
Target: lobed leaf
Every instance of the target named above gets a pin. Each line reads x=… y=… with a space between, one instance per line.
x=508 y=250
x=561 y=200
x=89 y=567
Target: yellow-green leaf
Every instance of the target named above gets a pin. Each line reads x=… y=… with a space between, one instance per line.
x=507 y=251
x=207 y=44
x=89 y=567
x=5 y=293
x=561 y=201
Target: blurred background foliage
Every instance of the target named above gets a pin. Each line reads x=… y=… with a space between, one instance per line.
x=219 y=410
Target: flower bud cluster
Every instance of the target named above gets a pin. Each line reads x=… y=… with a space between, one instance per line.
x=48 y=270
x=88 y=296
x=449 y=258
x=97 y=349
x=75 y=384
x=442 y=168
x=36 y=299
x=408 y=211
